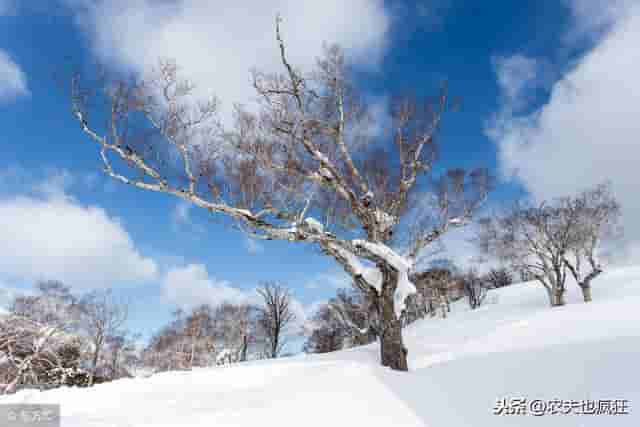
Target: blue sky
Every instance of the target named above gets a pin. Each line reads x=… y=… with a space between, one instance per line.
x=525 y=72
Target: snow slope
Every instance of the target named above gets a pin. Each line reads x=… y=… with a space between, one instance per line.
x=515 y=346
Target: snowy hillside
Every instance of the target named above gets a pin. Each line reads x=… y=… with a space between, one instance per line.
x=514 y=346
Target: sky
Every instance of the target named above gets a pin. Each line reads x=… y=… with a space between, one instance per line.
x=548 y=91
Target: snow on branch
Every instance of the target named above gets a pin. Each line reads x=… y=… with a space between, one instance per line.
x=401 y=264
x=371 y=275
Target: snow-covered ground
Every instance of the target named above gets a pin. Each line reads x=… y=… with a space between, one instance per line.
x=513 y=347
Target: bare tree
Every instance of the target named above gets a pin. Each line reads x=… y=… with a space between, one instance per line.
x=306 y=149
x=52 y=303
x=498 y=278
x=31 y=351
x=544 y=242
x=276 y=316
x=535 y=240
x=434 y=286
x=346 y=320
x=596 y=214
x=474 y=288
x=40 y=340
x=102 y=316
x=238 y=327
x=165 y=351
x=206 y=335
x=120 y=355
x=354 y=315
x=325 y=335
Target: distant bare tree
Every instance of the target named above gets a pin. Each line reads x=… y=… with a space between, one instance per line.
x=166 y=348
x=194 y=329
x=434 y=287
x=533 y=239
x=474 y=288
x=120 y=355
x=325 y=335
x=544 y=242
x=497 y=278
x=238 y=326
x=102 y=316
x=346 y=320
x=596 y=213
x=307 y=148
x=52 y=303
x=353 y=315
x=276 y=317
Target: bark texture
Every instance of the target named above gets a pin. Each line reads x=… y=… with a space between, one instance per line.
x=393 y=353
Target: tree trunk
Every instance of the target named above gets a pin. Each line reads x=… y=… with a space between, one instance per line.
x=432 y=307
x=557 y=298
x=586 y=293
x=11 y=387
x=192 y=353
x=444 y=306
x=393 y=353
x=243 y=351
x=94 y=364
x=274 y=345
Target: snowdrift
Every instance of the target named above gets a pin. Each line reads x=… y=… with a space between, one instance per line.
x=514 y=346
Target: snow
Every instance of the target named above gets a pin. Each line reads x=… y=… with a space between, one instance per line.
x=401 y=264
x=224 y=357
x=314 y=225
x=515 y=346
x=325 y=173
x=371 y=275
x=385 y=220
x=456 y=221
x=396 y=260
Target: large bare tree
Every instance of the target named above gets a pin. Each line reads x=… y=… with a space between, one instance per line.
x=303 y=165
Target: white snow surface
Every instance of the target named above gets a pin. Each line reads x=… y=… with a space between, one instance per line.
x=514 y=346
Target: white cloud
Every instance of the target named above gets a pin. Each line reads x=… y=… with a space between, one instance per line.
x=217 y=43
x=190 y=286
x=47 y=234
x=588 y=130
x=13 y=82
